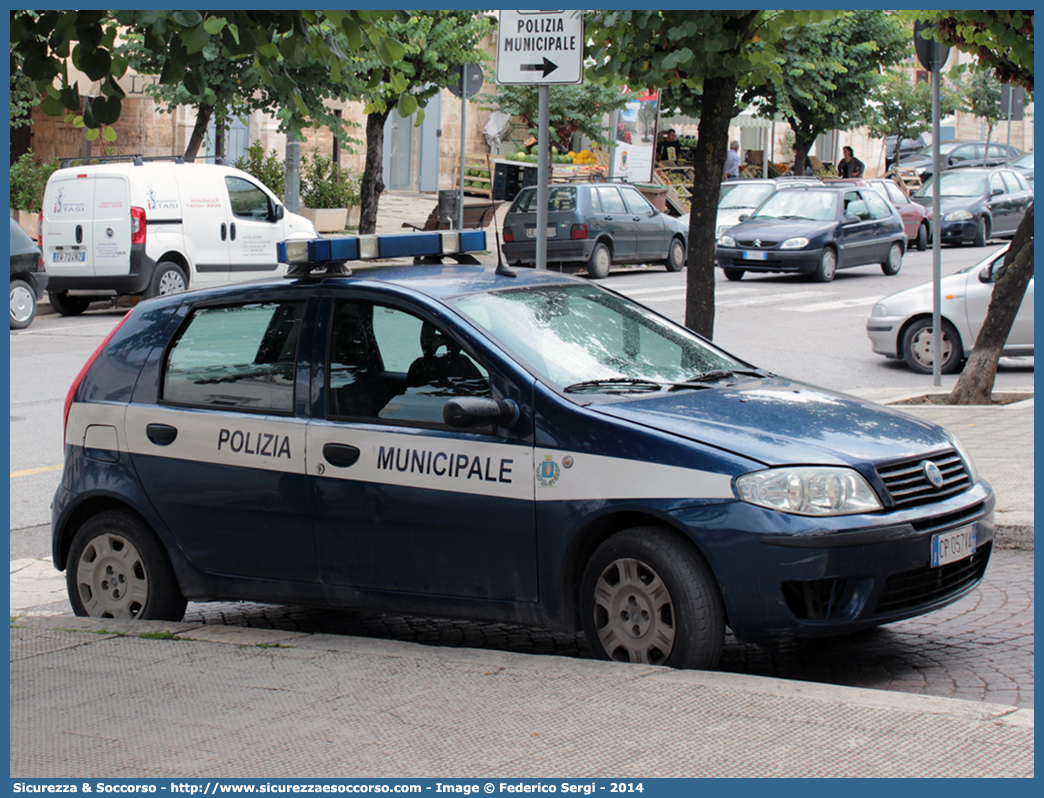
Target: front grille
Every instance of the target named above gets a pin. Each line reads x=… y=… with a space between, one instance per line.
x=908 y=484
x=928 y=585
x=949 y=520
x=762 y=243
x=816 y=599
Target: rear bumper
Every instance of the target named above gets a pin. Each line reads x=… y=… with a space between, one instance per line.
x=567 y=250
x=134 y=282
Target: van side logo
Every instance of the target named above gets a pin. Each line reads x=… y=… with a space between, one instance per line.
x=157 y=204
x=60 y=206
x=548 y=472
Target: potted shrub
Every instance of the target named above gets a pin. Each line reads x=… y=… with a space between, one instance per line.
x=328 y=194
x=28 y=182
x=267 y=169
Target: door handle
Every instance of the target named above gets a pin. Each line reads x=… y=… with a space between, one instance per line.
x=340 y=454
x=79 y=234
x=224 y=231
x=161 y=434
x=233 y=231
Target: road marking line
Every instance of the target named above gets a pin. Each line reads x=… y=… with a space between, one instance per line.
x=30 y=471
x=840 y=305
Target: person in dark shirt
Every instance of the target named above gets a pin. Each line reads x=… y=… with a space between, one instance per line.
x=668 y=148
x=850 y=166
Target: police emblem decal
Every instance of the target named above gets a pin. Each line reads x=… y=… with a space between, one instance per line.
x=548 y=472
x=932 y=473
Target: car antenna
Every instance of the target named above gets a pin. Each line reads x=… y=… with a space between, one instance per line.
x=502 y=268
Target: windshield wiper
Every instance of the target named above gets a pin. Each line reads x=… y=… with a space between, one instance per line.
x=792 y=216
x=721 y=374
x=622 y=384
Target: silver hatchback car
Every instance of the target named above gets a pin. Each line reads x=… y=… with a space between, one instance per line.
x=594 y=225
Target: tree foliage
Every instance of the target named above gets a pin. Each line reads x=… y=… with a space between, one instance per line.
x=982 y=93
x=828 y=69
x=700 y=59
x=1000 y=40
x=42 y=41
x=572 y=109
x=902 y=106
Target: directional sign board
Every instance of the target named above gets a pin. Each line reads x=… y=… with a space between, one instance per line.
x=540 y=47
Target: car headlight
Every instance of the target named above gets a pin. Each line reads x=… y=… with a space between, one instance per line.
x=973 y=472
x=957 y=216
x=726 y=241
x=809 y=490
x=794 y=243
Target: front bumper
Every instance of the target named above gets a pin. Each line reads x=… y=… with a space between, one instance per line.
x=883 y=332
x=796 y=261
x=789 y=577
x=958 y=231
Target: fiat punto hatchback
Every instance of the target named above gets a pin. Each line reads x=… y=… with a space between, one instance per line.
x=528 y=449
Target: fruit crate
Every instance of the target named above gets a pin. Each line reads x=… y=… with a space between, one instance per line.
x=678 y=180
x=478 y=180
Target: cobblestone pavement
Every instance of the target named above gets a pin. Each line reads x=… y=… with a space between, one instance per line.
x=979 y=649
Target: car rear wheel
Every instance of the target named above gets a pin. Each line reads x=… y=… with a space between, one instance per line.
x=647 y=597
x=917 y=347
x=118 y=569
x=23 y=304
x=922 y=238
x=894 y=262
x=167 y=279
x=827 y=267
x=982 y=232
x=734 y=274
x=676 y=256
x=68 y=305
x=599 y=262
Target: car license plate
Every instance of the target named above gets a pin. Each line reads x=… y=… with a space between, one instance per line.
x=953 y=546
x=70 y=257
x=755 y=256
x=532 y=233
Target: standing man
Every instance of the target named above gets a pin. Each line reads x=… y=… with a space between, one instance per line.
x=732 y=161
x=668 y=149
x=850 y=166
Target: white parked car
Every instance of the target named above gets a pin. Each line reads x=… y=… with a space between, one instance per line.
x=900 y=326
x=740 y=197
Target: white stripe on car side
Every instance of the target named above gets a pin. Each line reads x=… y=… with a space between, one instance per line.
x=410 y=459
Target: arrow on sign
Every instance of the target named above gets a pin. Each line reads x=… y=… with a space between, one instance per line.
x=547 y=67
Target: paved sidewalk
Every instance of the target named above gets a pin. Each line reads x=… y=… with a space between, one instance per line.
x=221 y=701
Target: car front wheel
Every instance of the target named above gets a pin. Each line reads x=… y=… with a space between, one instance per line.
x=982 y=232
x=647 y=597
x=23 y=304
x=918 y=347
x=118 y=569
x=922 y=238
x=827 y=267
x=734 y=274
x=894 y=262
x=68 y=305
x=599 y=262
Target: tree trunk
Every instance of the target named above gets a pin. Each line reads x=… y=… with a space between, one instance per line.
x=801 y=148
x=373 y=173
x=199 y=132
x=712 y=145
x=975 y=385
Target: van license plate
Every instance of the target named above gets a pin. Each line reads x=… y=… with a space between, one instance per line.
x=70 y=257
x=755 y=256
x=532 y=233
x=953 y=546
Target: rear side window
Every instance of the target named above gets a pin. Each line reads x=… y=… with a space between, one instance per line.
x=611 y=202
x=238 y=356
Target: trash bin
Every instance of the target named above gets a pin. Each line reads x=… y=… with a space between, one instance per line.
x=449 y=203
x=656 y=194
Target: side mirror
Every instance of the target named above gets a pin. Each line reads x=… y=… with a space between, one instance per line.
x=477 y=411
x=278 y=212
x=744 y=216
x=850 y=218
x=993 y=272
x=996 y=191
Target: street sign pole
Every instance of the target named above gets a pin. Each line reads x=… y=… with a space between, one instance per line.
x=463 y=142
x=543 y=145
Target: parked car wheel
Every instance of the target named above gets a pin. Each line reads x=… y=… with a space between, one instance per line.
x=734 y=274
x=827 y=267
x=917 y=347
x=68 y=305
x=649 y=598
x=599 y=262
x=118 y=569
x=167 y=279
x=922 y=238
x=982 y=232
x=23 y=304
x=676 y=257
x=894 y=262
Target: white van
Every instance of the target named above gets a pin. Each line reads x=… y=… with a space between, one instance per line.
x=150 y=227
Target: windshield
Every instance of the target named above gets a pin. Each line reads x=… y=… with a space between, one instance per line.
x=945 y=148
x=1025 y=162
x=959 y=183
x=580 y=334
x=819 y=206
x=744 y=195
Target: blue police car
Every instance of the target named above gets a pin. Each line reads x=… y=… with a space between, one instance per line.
x=530 y=448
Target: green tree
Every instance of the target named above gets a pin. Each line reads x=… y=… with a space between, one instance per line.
x=983 y=95
x=827 y=70
x=435 y=44
x=572 y=109
x=701 y=59
x=1003 y=42
x=902 y=106
x=41 y=41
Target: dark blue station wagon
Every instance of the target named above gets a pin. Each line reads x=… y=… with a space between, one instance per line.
x=528 y=449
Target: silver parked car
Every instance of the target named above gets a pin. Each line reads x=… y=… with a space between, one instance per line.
x=900 y=326
x=594 y=225
x=740 y=197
